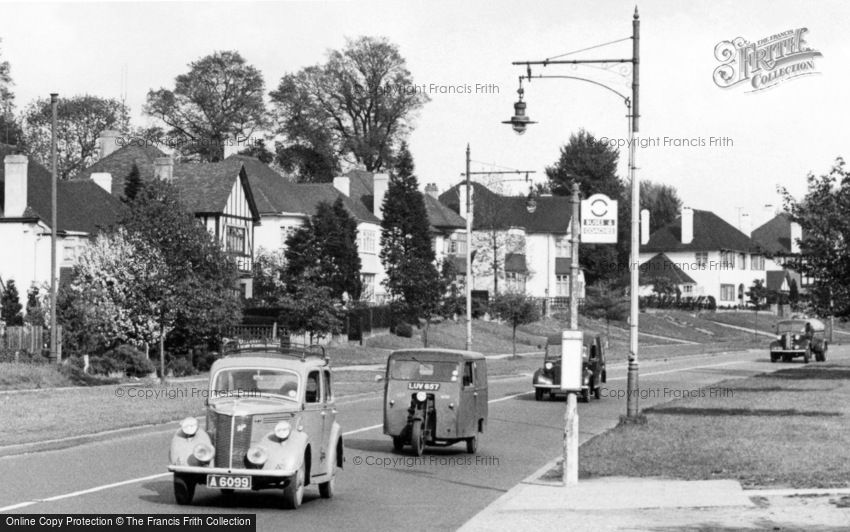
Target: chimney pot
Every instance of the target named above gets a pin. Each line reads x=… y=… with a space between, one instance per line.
x=109 y=140
x=432 y=190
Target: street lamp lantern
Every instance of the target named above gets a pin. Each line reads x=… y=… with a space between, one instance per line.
x=519 y=121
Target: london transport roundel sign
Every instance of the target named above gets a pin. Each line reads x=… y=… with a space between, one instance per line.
x=599 y=220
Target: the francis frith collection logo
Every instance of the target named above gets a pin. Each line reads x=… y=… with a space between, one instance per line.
x=764 y=63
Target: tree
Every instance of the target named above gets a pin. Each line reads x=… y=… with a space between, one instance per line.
x=793 y=293
x=324 y=250
x=825 y=246
x=756 y=294
x=593 y=165
x=220 y=98
x=10 y=129
x=516 y=309
x=406 y=251
x=80 y=121
x=311 y=309
x=35 y=310
x=662 y=201
x=268 y=273
x=356 y=107
x=199 y=300
x=133 y=183
x=10 y=305
x=259 y=151
x=606 y=301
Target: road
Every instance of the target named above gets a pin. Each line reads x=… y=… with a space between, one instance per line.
x=440 y=491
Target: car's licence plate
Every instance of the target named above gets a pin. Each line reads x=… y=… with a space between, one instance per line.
x=230 y=482
x=427 y=386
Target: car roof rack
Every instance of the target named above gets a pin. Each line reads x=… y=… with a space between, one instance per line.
x=282 y=347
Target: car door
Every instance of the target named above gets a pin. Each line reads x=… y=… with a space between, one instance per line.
x=481 y=402
x=468 y=401
x=329 y=416
x=314 y=419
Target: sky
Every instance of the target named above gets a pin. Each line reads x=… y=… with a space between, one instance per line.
x=774 y=137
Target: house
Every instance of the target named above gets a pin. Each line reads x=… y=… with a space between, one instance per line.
x=516 y=248
x=83 y=209
x=721 y=261
x=660 y=270
x=218 y=194
x=779 y=240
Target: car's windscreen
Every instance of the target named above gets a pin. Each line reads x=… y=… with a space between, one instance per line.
x=412 y=370
x=255 y=381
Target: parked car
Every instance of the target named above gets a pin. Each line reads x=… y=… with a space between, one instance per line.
x=270 y=424
x=435 y=397
x=799 y=337
x=547 y=380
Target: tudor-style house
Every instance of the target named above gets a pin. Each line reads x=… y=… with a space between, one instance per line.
x=779 y=240
x=716 y=259
x=517 y=249
x=218 y=194
x=83 y=209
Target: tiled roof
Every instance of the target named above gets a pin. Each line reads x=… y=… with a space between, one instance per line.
x=711 y=233
x=494 y=211
x=309 y=195
x=120 y=162
x=774 y=236
x=82 y=206
x=205 y=187
x=440 y=216
x=273 y=193
x=661 y=267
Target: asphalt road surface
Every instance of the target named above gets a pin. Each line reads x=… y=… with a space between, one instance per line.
x=378 y=489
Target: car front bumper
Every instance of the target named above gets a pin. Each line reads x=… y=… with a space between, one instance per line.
x=201 y=470
x=556 y=387
x=788 y=351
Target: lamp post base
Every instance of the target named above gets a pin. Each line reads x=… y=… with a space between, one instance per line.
x=632 y=390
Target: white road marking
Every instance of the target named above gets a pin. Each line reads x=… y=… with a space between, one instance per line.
x=356 y=431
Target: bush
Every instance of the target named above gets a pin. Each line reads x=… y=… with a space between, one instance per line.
x=204 y=359
x=72 y=369
x=180 y=366
x=23 y=357
x=130 y=361
x=404 y=329
x=103 y=366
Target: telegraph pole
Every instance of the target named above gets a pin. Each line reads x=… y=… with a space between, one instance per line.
x=468 y=256
x=571 y=440
x=54 y=98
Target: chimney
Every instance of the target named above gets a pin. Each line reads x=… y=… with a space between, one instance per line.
x=796 y=236
x=343 y=184
x=163 y=168
x=380 y=184
x=432 y=190
x=644 y=227
x=687 y=225
x=16 y=185
x=109 y=141
x=103 y=180
x=745 y=223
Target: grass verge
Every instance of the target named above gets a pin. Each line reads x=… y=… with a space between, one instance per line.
x=782 y=429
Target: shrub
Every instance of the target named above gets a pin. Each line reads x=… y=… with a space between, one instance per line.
x=103 y=366
x=180 y=366
x=404 y=329
x=204 y=359
x=130 y=361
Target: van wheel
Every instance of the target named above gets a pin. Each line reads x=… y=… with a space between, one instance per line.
x=597 y=392
x=472 y=444
x=538 y=394
x=417 y=438
x=327 y=489
x=807 y=356
x=585 y=395
x=398 y=443
x=823 y=353
x=184 y=490
x=293 y=494
x=774 y=358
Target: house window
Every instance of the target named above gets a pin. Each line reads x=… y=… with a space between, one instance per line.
x=285 y=232
x=515 y=282
x=687 y=289
x=69 y=254
x=701 y=259
x=562 y=246
x=727 y=260
x=562 y=285
x=727 y=292
x=235 y=239
x=742 y=261
x=756 y=262
x=457 y=244
x=366 y=241
x=368 y=280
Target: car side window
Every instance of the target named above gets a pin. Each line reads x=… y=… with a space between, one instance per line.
x=314 y=391
x=467 y=374
x=329 y=396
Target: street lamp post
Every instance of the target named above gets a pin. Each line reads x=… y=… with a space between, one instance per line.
x=519 y=122
x=469 y=207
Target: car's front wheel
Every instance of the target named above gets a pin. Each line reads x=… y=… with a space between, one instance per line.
x=293 y=493
x=184 y=490
x=327 y=489
x=398 y=443
x=472 y=444
x=807 y=356
x=774 y=357
x=538 y=394
x=417 y=438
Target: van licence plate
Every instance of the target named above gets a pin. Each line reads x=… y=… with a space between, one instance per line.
x=425 y=386
x=230 y=482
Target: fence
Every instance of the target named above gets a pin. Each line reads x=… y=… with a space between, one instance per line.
x=361 y=322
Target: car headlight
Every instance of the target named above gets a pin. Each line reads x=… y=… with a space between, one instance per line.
x=203 y=452
x=421 y=396
x=282 y=430
x=189 y=426
x=257 y=455
x=548 y=365
x=796 y=337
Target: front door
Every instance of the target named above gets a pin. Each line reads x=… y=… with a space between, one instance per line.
x=313 y=419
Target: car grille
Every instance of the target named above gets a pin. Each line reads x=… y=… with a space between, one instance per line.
x=787 y=339
x=231 y=444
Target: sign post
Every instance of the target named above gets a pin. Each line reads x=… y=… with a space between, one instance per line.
x=599 y=220
x=571 y=377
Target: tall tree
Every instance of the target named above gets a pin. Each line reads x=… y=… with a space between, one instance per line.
x=10 y=305
x=133 y=183
x=406 y=251
x=593 y=165
x=516 y=309
x=10 y=129
x=662 y=201
x=80 y=121
x=355 y=108
x=325 y=250
x=220 y=98
x=825 y=246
